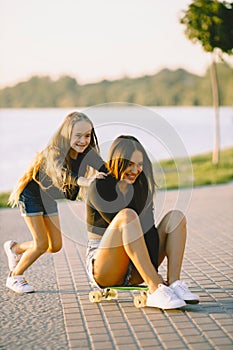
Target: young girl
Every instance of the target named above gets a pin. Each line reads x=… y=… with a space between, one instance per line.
x=57 y=172
x=125 y=247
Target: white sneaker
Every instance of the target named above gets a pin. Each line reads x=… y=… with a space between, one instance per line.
x=164 y=298
x=13 y=258
x=18 y=284
x=182 y=291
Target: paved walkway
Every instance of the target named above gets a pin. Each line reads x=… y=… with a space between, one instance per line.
x=60 y=316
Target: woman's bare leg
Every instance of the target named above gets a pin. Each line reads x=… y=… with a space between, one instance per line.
x=172 y=237
x=46 y=237
x=122 y=241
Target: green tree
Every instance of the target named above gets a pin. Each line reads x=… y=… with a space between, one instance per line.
x=210 y=22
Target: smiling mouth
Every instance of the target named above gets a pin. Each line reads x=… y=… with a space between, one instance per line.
x=131 y=177
x=79 y=148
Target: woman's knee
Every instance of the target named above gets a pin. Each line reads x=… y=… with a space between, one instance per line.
x=175 y=219
x=127 y=215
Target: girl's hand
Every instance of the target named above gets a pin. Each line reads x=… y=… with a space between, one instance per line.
x=100 y=175
x=85 y=182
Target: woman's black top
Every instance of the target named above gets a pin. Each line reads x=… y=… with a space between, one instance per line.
x=105 y=200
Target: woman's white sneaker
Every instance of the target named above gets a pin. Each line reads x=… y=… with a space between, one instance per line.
x=13 y=258
x=18 y=284
x=164 y=298
x=182 y=291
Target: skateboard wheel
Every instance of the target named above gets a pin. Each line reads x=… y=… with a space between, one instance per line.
x=111 y=294
x=95 y=297
x=140 y=301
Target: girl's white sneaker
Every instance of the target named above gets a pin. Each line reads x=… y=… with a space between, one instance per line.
x=18 y=284
x=164 y=298
x=12 y=257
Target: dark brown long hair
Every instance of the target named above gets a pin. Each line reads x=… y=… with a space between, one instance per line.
x=119 y=157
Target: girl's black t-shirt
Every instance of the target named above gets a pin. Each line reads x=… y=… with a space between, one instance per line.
x=78 y=169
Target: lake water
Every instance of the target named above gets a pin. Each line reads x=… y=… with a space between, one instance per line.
x=166 y=132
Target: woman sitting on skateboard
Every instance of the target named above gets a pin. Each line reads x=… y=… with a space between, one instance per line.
x=124 y=246
x=56 y=173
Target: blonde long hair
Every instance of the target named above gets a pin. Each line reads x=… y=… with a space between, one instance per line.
x=52 y=159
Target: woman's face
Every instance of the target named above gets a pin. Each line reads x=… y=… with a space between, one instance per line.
x=80 y=136
x=134 y=168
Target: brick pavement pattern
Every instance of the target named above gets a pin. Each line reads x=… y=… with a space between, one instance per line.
x=60 y=316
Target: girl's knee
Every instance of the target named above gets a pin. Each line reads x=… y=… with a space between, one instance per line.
x=41 y=247
x=55 y=248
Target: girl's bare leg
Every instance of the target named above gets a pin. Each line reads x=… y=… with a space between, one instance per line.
x=46 y=237
x=54 y=236
x=52 y=224
x=172 y=237
x=122 y=241
x=20 y=248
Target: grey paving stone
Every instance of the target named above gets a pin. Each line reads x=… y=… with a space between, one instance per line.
x=60 y=316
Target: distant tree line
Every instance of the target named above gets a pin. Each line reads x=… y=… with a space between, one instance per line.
x=166 y=88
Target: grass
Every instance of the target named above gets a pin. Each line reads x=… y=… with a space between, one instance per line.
x=200 y=171
x=4 y=199
x=180 y=173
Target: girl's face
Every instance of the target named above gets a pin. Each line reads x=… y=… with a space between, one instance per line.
x=134 y=168
x=80 y=136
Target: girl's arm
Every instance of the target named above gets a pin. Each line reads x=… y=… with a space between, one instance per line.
x=85 y=182
x=71 y=181
x=92 y=159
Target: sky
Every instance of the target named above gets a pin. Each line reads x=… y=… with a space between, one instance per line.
x=94 y=40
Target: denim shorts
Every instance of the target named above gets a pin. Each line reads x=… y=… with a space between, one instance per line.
x=31 y=204
x=92 y=248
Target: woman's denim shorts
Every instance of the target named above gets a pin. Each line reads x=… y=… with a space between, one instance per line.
x=92 y=248
x=31 y=204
